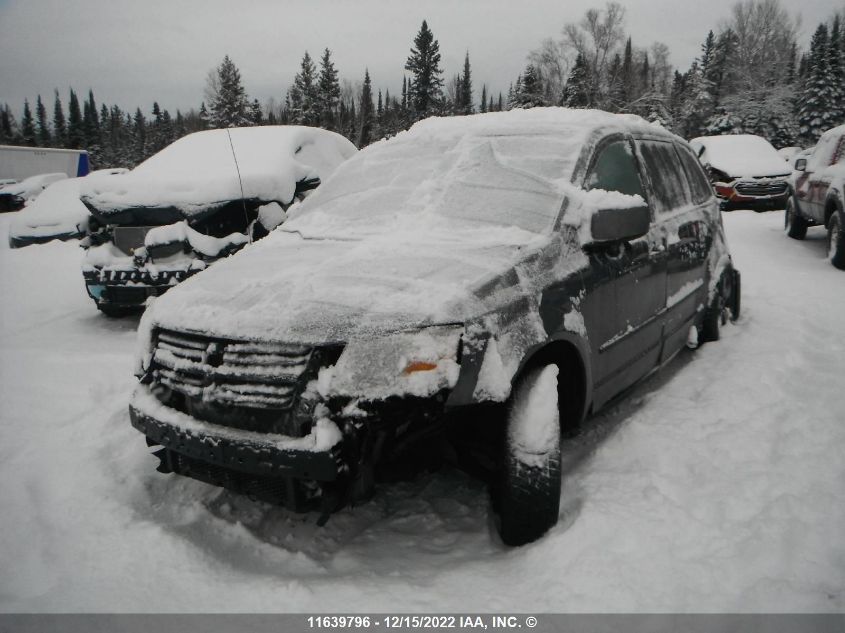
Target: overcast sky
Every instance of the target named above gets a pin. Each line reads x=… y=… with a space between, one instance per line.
x=132 y=52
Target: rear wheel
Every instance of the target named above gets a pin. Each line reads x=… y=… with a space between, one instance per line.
x=836 y=240
x=725 y=305
x=529 y=501
x=794 y=225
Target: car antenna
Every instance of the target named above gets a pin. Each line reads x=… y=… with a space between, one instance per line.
x=240 y=182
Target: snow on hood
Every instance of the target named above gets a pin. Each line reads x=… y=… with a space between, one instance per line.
x=57 y=212
x=287 y=288
x=199 y=171
x=402 y=235
x=740 y=155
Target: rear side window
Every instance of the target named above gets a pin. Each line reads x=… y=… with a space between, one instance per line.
x=698 y=183
x=615 y=169
x=666 y=175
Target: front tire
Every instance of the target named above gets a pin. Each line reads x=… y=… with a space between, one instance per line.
x=529 y=501
x=794 y=225
x=836 y=240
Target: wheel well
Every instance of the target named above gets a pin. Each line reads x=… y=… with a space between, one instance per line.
x=572 y=381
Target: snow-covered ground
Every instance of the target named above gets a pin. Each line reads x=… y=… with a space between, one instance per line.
x=718 y=485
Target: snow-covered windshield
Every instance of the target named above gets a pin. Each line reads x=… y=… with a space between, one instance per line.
x=437 y=177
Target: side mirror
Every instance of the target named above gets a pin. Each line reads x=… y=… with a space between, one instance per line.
x=801 y=164
x=619 y=225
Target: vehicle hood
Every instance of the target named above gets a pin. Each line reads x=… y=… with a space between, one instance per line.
x=289 y=288
x=741 y=156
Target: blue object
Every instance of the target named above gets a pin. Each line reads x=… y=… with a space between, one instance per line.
x=83 y=167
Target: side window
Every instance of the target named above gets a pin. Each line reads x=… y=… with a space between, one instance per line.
x=667 y=177
x=699 y=185
x=615 y=169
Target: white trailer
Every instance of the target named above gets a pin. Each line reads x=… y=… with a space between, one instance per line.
x=22 y=162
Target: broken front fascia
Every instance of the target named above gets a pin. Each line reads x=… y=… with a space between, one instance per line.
x=168 y=254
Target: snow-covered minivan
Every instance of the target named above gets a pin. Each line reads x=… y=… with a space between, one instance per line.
x=490 y=279
x=198 y=200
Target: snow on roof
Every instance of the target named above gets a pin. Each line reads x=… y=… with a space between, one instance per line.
x=740 y=155
x=200 y=170
x=404 y=233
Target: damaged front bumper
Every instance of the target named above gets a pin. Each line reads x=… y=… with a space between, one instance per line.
x=299 y=473
x=129 y=288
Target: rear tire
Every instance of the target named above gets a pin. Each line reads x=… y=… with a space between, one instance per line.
x=725 y=305
x=836 y=240
x=529 y=501
x=794 y=225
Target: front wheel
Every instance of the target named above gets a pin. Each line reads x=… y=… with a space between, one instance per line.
x=836 y=240
x=529 y=501
x=725 y=305
x=794 y=225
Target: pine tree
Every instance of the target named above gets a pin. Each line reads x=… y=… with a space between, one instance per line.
x=139 y=138
x=204 y=117
x=256 y=114
x=465 y=97
x=836 y=72
x=7 y=131
x=528 y=92
x=27 y=126
x=814 y=116
x=75 y=129
x=365 y=128
x=303 y=95
x=43 y=135
x=576 y=93
x=627 y=79
x=227 y=100
x=328 y=92
x=59 y=126
x=91 y=121
x=425 y=91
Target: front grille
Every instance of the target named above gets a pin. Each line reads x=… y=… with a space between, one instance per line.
x=227 y=372
x=752 y=188
x=128 y=238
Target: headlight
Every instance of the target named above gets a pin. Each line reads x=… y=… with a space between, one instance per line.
x=416 y=363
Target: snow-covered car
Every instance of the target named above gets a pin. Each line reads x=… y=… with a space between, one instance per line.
x=818 y=194
x=198 y=200
x=494 y=278
x=56 y=214
x=746 y=171
x=15 y=196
